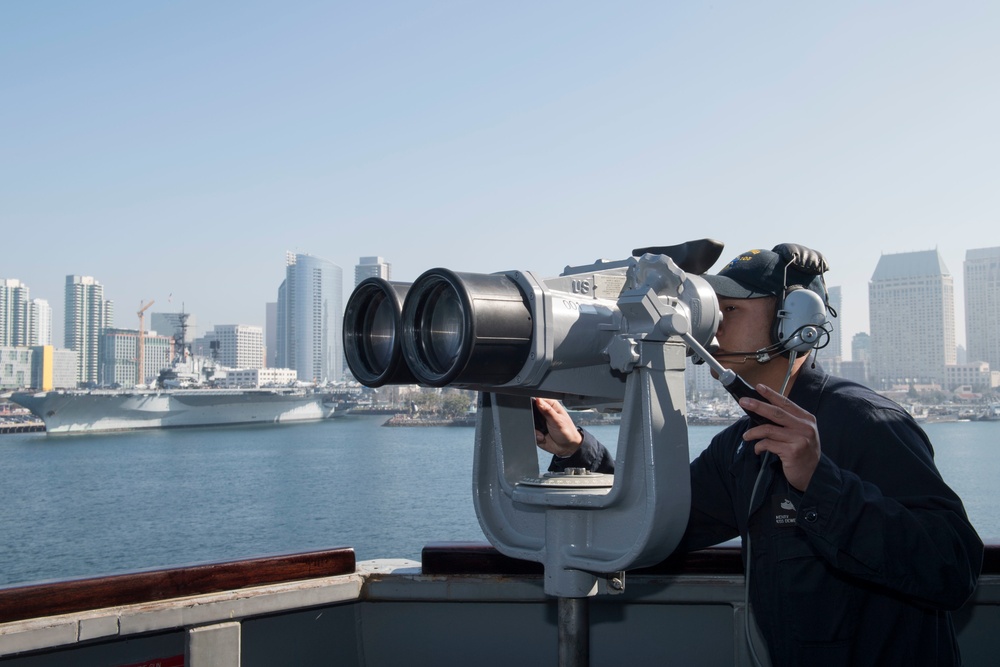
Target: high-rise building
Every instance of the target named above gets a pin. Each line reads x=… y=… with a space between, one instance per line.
x=118 y=357
x=40 y=323
x=87 y=316
x=15 y=313
x=861 y=347
x=311 y=318
x=233 y=345
x=372 y=267
x=857 y=368
x=271 y=334
x=982 y=306
x=911 y=311
x=281 y=327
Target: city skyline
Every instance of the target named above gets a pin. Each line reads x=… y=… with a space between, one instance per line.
x=485 y=139
x=378 y=265
x=913 y=328
x=126 y=318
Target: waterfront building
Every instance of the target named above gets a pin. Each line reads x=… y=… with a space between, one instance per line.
x=40 y=367
x=118 y=357
x=53 y=368
x=40 y=323
x=911 y=303
x=87 y=315
x=233 y=345
x=699 y=383
x=15 y=366
x=15 y=313
x=857 y=369
x=861 y=348
x=311 y=319
x=982 y=305
x=372 y=267
x=258 y=377
x=975 y=374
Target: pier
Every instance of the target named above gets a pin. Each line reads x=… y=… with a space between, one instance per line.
x=21 y=427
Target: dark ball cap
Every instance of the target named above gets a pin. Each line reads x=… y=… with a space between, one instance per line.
x=758 y=273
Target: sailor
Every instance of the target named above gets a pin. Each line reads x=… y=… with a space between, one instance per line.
x=855 y=549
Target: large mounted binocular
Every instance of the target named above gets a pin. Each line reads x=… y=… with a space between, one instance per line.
x=571 y=337
x=611 y=335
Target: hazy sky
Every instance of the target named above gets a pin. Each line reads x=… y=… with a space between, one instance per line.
x=181 y=148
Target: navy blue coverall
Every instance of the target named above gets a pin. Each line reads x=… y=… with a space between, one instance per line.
x=866 y=565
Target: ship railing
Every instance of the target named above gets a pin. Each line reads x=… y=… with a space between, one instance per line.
x=461 y=600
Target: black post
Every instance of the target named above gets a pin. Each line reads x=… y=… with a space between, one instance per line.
x=574 y=632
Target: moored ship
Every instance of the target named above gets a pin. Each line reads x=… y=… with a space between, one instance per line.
x=108 y=410
x=192 y=391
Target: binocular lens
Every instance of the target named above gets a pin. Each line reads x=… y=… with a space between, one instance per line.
x=465 y=328
x=441 y=329
x=371 y=333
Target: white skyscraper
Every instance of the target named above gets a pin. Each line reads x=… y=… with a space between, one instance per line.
x=87 y=316
x=372 y=267
x=911 y=310
x=40 y=332
x=15 y=313
x=982 y=306
x=311 y=318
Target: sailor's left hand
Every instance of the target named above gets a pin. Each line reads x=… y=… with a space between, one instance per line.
x=563 y=437
x=792 y=437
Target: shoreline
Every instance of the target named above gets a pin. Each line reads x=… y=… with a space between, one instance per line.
x=402 y=421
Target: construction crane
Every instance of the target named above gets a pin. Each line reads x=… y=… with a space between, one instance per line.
x=140 y=368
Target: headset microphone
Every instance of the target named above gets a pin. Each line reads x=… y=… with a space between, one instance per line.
x=762 y=356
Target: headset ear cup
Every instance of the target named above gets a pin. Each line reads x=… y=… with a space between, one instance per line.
x=801 y=323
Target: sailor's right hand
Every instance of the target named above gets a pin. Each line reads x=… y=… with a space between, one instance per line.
x=563 y=438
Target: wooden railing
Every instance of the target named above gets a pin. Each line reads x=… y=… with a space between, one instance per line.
x=446 y=558
x=62 y=597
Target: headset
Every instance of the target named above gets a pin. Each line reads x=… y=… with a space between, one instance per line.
x=801 y=320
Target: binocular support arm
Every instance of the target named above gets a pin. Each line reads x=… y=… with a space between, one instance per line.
x=580 y=526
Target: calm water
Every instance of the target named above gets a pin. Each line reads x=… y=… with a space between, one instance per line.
x=87 y=505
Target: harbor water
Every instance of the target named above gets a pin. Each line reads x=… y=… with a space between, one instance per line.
x=76 y=506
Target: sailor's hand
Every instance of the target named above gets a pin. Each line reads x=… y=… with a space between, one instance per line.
x=792 y=437
x=563 y=438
